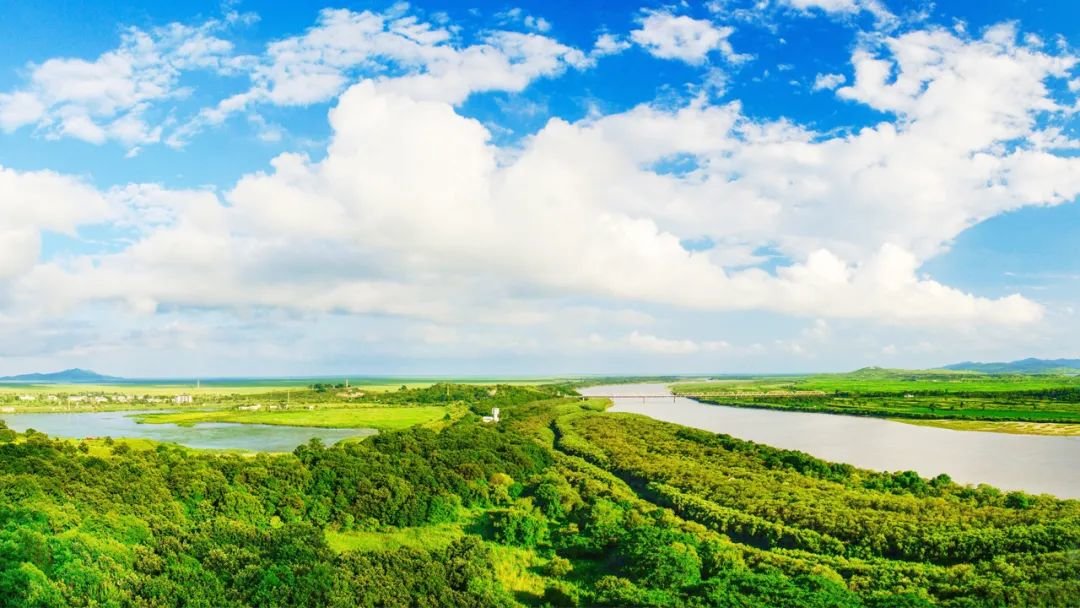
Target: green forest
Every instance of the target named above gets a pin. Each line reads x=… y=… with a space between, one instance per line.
x=558 y=504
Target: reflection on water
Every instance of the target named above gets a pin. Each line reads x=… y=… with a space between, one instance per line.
x=209 y=435
x=1037 y=464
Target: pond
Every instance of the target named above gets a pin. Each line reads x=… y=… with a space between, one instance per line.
x=1033 y=463
x=208 y=435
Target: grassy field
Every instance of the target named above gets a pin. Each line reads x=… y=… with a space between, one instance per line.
x=876 y=380
x=381 y=418
x=1028 y=404
x=516 y=568
x=423 y=538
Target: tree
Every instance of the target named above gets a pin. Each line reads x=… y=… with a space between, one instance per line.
x=520 y=527
x=659 y=557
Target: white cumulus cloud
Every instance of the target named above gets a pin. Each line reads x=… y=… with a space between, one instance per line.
x=670 y=36
x=414 y=212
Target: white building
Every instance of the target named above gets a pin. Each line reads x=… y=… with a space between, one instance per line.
x=179 y=399
x=494 y=417
x=27 y=398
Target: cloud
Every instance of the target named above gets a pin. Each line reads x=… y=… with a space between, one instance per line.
x=828 y=82
x=846 y=8
x=405 y=54
x=414 y=213
x=664 y=346
x=608 y=44
x=37 y=201
x=120 y=95
x=410 y=188
x=531 y=22
x=668 y=36
x=108 y=98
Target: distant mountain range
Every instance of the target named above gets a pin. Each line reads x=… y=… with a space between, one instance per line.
x=68 y=376
x=1023 y=366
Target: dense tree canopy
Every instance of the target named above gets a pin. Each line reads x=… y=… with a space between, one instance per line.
x=558 y=504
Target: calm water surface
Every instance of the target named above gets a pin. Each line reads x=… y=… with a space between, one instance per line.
x=1033 y=463
x=208 y=435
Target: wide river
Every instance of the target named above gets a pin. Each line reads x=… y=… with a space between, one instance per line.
x=207 y=435
x=1033 y=463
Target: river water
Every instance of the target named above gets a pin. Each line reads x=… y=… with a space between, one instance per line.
x=207 y=435
x=1033 y=463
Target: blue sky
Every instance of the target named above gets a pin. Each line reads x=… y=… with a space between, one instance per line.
x=536 y=187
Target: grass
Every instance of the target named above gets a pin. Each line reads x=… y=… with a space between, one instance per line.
x=517 y=569
x=425 y=538
x=1043 y=404
x=381 y=417
x=878 y=381
x=1011 y=427
x=101 y=448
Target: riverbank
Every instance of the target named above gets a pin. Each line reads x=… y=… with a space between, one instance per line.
x=1011 y=427
x=217 y=436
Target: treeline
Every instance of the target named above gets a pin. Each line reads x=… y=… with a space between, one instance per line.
x=322 y=387
x=479 y=398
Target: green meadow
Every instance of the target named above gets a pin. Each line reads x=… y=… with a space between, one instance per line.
x=947 y=396
x=381 y=418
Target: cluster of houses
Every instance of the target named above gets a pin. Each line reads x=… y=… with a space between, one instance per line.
x=98 y=399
